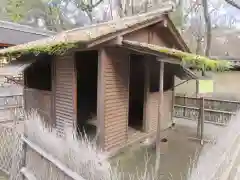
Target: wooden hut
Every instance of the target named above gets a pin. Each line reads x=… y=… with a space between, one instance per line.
x=110 y=83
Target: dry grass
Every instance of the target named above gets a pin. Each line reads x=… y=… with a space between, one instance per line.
x=84 y=157
x=79 y=154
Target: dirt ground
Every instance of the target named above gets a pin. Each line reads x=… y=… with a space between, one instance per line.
x=177 y=157
x=2 y=176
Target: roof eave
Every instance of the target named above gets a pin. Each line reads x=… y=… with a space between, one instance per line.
x=176 y=34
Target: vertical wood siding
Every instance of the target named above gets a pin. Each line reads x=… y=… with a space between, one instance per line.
x=116 y=77
x=65 y=81
x=152 y=110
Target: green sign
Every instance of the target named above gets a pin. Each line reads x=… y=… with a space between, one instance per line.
x=205 y=86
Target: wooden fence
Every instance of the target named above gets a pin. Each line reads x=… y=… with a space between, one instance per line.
x=10 y=108
x=215 y=111
x=41 y=165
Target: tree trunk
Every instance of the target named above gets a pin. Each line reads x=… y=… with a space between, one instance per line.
x=208 y=26
x=198 y=48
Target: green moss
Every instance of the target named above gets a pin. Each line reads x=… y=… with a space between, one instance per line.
x=55 y=49
x=189 y=59
x=197 y=61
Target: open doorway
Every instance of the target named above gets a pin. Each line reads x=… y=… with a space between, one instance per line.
x=136 y=93
x=87 y=72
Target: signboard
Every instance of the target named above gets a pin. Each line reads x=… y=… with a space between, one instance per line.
x=205 y=86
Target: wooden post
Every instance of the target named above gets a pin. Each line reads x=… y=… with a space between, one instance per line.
x=146 y=92
x=173 y=100
x=197 y=87
x=185 y=104
x=100 y=99
x=160 y=117
x=202 y=119
x=199 y=117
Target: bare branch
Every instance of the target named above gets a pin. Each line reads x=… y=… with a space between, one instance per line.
x=232 y=3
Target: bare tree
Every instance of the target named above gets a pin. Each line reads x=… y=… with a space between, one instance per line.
x=208 y=31
x=201 y=19
x=208 y=27
x=233 y=3
x=88 y=6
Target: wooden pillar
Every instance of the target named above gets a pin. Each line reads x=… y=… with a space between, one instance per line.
x=202 y=119
x=160 y=117
x=173 y=100
x=53 y=76
x=197 y=87
x=146 y=93
x=100 y=99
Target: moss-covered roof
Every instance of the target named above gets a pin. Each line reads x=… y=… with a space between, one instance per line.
x=187 y=59
x=102 y=32
x=82 y=36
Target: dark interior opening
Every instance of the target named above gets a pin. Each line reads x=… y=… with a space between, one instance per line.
x=136 y=92
x=87 y=73
x=38 y=75
x=155 y=76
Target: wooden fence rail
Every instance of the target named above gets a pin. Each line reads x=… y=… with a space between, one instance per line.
x=41 y=165
x=215 y=111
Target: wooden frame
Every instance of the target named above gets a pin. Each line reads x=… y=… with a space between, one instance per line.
x=128 y=80
x=100 y=98
x=48 y=157
x=53 y=91
x=146 y=94
x=173 y=99
x=160 y=116
x=145 y=125
x=75 y=93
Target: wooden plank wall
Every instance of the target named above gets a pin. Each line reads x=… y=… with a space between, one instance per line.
x=152 y=110
x=116 y=77
x=65 y=83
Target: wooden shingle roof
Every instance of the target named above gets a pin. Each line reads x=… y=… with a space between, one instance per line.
x=98 y=32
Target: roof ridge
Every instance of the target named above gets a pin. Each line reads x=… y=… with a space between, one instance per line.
x=166 y=8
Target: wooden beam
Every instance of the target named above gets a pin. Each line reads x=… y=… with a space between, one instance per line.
x=53 y=80
x=100 y=98
x=27 y=174
x=59 y=165
x=146 y=94
x=173 y=99
x=160 y=117
x=75 y=94
x=202 y=115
